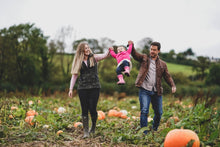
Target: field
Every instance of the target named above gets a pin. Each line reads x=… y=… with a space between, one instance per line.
x=112 y=131
x=185 y=69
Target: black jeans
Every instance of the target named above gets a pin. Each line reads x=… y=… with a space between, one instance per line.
x=89 y=99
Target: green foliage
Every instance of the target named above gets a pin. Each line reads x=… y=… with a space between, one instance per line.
x=111 y=131
x=214 y=75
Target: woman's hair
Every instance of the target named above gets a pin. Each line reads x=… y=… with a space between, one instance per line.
x=79 y=57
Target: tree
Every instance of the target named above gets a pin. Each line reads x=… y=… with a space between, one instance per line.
x=201 y=65
x=214 y=75
x=144 y=44
x=105 y=43
x=189 y=52
x=63 y=35
x=24 y=56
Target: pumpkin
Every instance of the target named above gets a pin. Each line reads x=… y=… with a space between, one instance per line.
x=173 y=118
x=31 y=113
x=181 y=137
x=10 y=116
x=61 y=110
x=124 y=116
x=101 y=115
x=14 y=108
x=112 y=113
x=30 y=102
x=29 y=119
x=77 y=124
x=58 y=132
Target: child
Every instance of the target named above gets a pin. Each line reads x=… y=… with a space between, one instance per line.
x=123 y=60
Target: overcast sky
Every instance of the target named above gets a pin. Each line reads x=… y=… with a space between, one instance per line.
x=177 y=24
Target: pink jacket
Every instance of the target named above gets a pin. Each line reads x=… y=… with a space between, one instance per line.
x=123 y=55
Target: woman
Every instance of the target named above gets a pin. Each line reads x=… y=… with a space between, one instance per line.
x=85 y=63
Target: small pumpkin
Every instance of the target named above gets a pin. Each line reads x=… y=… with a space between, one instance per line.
x=181 y=137
x=101 y=115
x=112 y=112
x=31 y=113
x=29 y=119
x=59 y=132
x=14 y=108
x=77 y=124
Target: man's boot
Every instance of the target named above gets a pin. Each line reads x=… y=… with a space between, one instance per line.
x=94 y=119
x=85 y=120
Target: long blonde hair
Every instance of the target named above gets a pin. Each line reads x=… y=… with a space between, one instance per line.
x=79 y=57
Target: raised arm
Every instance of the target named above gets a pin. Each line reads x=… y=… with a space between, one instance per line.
x=130 y=48
x=137 y=56
x=113 y=54
x=99 y=57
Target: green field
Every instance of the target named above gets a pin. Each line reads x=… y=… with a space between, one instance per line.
x=185 y=69
x=111 y=131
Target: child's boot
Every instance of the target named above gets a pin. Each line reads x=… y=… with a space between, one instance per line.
x=127 y=71
x=121 y=80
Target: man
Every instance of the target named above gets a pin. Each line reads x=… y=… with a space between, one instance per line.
x=148 y=81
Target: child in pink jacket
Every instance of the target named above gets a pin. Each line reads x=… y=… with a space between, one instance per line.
x=123 y=60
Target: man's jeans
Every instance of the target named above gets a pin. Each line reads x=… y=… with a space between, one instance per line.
x=145 y=97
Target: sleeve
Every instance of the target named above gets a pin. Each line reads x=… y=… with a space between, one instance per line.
x=168 y=77
x=137 y=56
x=99 y=57
x=73 y=81
x=113 y=54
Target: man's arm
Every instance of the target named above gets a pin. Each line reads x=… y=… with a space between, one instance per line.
x=169 y=80
x=137 y=56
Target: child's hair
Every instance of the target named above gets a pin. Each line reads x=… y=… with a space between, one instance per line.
x=122 y=46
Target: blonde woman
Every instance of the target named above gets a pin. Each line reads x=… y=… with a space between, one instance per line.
x=85 y=63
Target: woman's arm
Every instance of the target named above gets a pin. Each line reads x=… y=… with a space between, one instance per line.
x=73 y=81
x=99 y=57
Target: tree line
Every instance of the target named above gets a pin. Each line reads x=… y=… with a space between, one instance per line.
x=28 y=62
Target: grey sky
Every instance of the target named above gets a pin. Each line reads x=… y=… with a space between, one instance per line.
x=177 y=24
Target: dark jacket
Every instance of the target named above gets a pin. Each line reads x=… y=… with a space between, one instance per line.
x=161 y=71
x=88 y=76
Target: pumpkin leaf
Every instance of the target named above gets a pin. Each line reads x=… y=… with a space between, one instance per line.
x=190 y=143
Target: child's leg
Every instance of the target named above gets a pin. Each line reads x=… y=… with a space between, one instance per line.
x=119 y=75
x=126 y=68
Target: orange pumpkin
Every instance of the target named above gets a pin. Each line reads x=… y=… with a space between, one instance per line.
x=59 y=132
x=29 y=119
x=101 y=115
x=77 y=124
x=112 y=113
x=31 y=113
x=181 y=137
x=124 y=116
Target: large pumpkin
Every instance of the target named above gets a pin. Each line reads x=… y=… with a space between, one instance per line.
x=181 y=137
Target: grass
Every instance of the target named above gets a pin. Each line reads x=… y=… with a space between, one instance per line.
x=112 y=131
x=185 y=69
